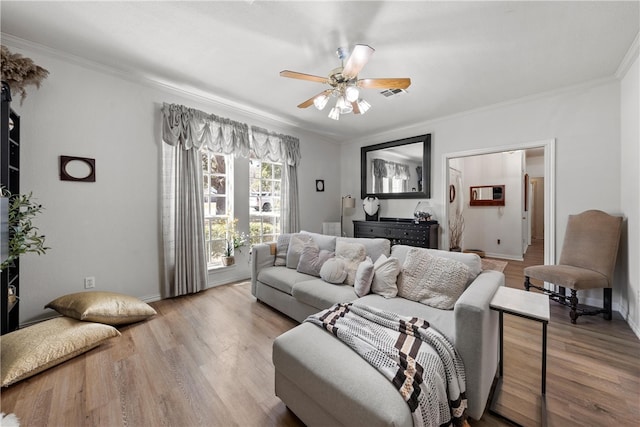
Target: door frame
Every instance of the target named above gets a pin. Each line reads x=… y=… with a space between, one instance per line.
x=549 y=146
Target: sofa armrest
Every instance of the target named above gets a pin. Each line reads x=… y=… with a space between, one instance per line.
x=476 y=336
x=261 y=257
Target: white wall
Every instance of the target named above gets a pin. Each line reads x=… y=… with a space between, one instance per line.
x=630 y=195
x=584 y=120
x=485 y=225
x=110 y=229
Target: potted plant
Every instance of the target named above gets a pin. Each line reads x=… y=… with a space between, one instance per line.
x=18 y=72
x=233 y=241
x=24 y=237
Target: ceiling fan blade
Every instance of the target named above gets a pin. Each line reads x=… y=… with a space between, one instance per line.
x=356 y=109
x=358 y=58
x=309 y=101
x=398 y=83
x=302 y=76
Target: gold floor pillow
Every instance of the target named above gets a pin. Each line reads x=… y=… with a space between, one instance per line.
x=110 y=308
x=33 y=349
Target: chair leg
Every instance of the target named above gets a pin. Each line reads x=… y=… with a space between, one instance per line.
x=607 y=303
x=527 y=283
x=573 y=301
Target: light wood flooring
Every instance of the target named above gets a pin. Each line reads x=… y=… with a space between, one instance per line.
x=205 y=360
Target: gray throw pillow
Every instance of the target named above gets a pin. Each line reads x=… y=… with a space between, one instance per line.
x=432 y=280
x=312 y=259
x=282 y=246
x=296 y=244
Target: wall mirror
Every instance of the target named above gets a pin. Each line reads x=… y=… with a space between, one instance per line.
x=486 y=195
x=398 y=169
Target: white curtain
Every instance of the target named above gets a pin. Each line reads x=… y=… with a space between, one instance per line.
x=286 y=149
x=185 y=132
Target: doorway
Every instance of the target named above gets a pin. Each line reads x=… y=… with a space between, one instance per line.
x=544 y=189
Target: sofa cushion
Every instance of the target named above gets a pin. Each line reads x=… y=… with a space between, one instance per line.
x=352 y=254
x=442 y=320
x=432 y=280
x=282 y=246
x=281 y=278
x=296 y=245
x=385 y=275
x=28 y=351
x=333 y=271
x=472 y=261
x=312 y=259
x=110 y=308
x=373 y=247
x=328 y=243
x=320 y=294
x=364 y=277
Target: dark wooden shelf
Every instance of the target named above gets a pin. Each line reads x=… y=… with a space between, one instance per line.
x=10 y=179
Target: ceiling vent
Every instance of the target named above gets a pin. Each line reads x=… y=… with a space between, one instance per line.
x=388 y=93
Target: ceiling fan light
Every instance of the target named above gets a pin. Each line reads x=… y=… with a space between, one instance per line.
x=334 y=113
x=351 y=93
x=344 y=106
x=320 y=102
x=363 y=106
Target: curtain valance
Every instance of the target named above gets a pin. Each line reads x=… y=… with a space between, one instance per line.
x=387 y=169
x=193 y=128
x=275 y=147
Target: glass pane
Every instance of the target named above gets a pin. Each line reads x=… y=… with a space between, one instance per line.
x=277 y=171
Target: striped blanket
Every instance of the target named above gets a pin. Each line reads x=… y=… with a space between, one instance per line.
x=417 y=359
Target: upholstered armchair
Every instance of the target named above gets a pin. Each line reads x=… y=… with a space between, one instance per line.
x=587 y=261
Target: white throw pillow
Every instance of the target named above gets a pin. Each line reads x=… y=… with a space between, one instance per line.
x=296 y=245
x=364 y=277
x=432 y=280
x=385 y=274
x=352 y=254
x=333 y=271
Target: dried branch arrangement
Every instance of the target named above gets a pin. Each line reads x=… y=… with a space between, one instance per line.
x=19 y=72
x=456 y=227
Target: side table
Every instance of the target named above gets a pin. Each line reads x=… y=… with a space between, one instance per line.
x=531 y=306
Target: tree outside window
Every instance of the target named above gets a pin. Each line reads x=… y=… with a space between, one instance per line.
x=265 y=184
x=218 y=211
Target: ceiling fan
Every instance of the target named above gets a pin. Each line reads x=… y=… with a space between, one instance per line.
x=345 y=83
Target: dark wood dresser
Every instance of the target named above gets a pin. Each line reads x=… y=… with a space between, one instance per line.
x=400 y=231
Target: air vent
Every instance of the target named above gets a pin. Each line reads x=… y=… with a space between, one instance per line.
x=393 y=92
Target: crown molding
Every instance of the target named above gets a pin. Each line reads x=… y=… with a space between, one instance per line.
x=427 y=125
x=629 y=58
x=135 y=77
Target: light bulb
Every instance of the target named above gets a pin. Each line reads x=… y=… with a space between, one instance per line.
x=344 y=106
x=351 y=93
x=363 y=106
x=321 y=101
x=334 y=113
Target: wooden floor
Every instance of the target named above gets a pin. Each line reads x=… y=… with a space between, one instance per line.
x=205 y=360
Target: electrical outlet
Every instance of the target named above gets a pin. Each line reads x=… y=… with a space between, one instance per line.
x=89 y=282
x=498 y=241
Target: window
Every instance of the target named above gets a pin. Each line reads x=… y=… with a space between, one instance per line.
x=217 y=175
x=265 y=184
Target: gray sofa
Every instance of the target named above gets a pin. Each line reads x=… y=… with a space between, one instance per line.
x=324 y=382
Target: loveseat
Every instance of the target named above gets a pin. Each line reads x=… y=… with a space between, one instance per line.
x=324 y=382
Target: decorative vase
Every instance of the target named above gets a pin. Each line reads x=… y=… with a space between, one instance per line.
x=228 y=260
x=423 y=211
x=371 y=205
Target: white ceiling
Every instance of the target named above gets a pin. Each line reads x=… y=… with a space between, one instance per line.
x=459 y=55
